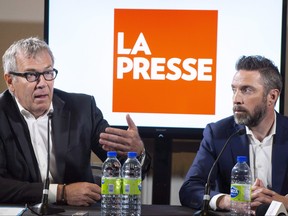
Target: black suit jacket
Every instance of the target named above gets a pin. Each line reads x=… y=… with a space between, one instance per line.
x=76 y=126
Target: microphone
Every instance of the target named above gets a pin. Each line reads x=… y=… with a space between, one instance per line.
x=206 y=198
x=44 y=208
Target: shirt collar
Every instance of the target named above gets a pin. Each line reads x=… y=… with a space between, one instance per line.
x=272 y=131
x=27 y=114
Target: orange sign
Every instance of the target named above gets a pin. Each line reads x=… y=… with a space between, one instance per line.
x=165 y=61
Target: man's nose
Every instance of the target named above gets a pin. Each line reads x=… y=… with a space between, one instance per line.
x=237 y=97
x=41 y=82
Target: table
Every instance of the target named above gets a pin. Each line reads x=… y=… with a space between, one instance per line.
x=149 y=210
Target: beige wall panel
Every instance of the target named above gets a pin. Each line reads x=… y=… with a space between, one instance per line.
x=12 y=31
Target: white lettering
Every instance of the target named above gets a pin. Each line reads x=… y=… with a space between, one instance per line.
x=161 y=70
x=156 y=67
x=192 y=71
x=120 y=48
x=172 y=67
x=141 y=45
x=124 y=65
x=141 y=66
x=202 y=69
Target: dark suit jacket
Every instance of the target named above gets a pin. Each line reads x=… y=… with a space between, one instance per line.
x=76 y=126
x=214 y=137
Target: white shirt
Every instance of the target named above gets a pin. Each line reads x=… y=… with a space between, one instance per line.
x=260 y=154
x=38 y=134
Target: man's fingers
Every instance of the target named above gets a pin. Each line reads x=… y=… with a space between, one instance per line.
x=130 y=122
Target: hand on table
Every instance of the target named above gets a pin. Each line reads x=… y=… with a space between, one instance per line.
x=82 y=193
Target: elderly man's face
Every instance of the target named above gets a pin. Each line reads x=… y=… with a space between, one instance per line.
x=35 y=96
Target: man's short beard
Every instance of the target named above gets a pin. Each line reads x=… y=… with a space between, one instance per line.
x=242 y=119
x=252 y=120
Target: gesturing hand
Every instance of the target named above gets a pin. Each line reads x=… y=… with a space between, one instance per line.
x=122 y=141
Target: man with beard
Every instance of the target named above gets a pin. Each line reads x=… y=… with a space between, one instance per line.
x=256 y=88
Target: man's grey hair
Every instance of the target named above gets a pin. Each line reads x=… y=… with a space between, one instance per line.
x=29 y=47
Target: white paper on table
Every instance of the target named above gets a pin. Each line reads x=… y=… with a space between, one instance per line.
x=11 y=211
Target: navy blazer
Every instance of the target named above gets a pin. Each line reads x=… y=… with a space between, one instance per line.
x=214 y=137
x=76 y=125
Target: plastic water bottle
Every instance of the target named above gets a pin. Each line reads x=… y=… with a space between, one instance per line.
x=241 y=180
x=131 y=186
x=111 y=185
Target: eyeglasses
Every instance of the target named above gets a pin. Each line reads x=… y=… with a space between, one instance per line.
x=34 y=76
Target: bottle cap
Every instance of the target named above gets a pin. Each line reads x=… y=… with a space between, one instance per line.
x=132 y=154
x=111 y=154
x=241 y=159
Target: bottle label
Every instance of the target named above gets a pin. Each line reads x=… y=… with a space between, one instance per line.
x=111 y=185
x=132 y=186
x=240 y=192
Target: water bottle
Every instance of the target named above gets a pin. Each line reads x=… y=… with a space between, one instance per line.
x=241 y=180
x=111 y=185
x=131 y=186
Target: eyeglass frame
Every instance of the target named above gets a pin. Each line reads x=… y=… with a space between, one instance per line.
x=36 y=74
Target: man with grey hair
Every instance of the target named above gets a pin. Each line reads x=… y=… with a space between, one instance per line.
x=77 y=128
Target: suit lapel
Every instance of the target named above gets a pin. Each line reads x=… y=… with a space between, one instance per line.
x=279 y=155
x=27 y=150
x=60 y=135
x=22 y=139
x=239 y=146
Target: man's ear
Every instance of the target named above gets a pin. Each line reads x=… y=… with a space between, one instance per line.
x=273 y=96
x=9 y=82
